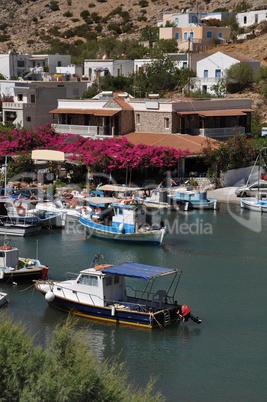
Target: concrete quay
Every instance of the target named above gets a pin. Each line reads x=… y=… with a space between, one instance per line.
x=225 y=194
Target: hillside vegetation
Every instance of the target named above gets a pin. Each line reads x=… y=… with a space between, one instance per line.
x=63 y=26
x=30 y=26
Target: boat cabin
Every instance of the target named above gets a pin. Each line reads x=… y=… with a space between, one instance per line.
x=9 y=256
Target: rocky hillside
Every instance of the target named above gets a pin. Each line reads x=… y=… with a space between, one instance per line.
x=27 y=25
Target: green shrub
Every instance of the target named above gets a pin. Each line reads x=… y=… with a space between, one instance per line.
x=143 y=3
x=54 y=5
x=68 y=14
x=84 y=14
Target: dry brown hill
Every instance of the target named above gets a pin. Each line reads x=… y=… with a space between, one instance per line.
x=27 y=22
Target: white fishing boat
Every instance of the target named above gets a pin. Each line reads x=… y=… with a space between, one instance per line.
x=18 y=227
x=124 y=220
x=26 y=211
x=133 y=294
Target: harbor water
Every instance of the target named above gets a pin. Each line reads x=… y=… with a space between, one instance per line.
x=224 y=261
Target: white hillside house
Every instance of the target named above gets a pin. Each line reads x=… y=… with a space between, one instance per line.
x=212 y=68
x=250 y=18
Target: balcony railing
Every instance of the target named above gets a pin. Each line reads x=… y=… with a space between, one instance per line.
x=85 y=131
x=218 y=133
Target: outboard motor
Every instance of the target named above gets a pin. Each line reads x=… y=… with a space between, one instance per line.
x=184 y=313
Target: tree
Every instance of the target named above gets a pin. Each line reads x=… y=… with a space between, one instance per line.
x=159 y=76
x=239 y=77
x=235 y=153
x=64 y=370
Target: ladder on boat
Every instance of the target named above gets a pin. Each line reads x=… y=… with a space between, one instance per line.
x=167 y=318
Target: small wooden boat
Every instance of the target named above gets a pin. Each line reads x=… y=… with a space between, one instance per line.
x=15 y=269
x=130 y=294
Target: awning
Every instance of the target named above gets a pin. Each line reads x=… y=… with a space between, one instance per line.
x=48 y=155
x=224 y=112
x=216 y=113
x=141 y=271
x=117 y=188
x=94 y=112
x=99 y=200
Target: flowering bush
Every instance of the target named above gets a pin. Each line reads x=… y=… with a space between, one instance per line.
x=106 y=155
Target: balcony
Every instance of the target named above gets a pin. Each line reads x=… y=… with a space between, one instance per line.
x=85 y=131
x=219 y=133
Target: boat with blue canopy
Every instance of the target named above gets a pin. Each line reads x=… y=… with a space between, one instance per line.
x=130 y=293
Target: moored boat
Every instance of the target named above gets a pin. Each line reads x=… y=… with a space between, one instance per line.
x=254 y=204
x=124 y=220
x=13 y=227
x=26 y=211
x=14 y=268
x=129 y=294
x=192 y=199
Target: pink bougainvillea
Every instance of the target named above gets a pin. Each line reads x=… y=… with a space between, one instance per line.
x=108 y=154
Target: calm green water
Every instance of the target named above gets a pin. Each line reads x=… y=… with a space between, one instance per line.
x=224 y=261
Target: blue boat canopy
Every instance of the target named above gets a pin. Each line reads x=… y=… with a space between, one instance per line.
x=141 y=271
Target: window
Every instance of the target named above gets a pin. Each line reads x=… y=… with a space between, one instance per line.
x=91 y=280
x=176 y=21
x=245 y=20
x=194 y=19
x=256 y=18
x=59 y=64
x=185 y=35
x=21 y=63
x=32 y=98
x=218 y=73
x=176 y=35
x=108 y=280
x=220 y=35
x=206 y=73
x=184 y=65
x=20 y=97
x=166 y=123
x=28 y=118
x=138 y=118
x=209 y=34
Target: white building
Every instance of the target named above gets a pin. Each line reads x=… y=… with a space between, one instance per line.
x=29 y=102
x=95 y=68
x=250 y=18
x=13 y=65
x=212 y=68
x=191 y=19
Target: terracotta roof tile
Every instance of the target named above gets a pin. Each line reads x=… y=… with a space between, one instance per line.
x=185 y=142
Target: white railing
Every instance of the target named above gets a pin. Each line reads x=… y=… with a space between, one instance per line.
x=85 y=131
x=218 y=133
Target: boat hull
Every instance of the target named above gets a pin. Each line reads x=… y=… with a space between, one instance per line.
x=19 y=229
x=22 y=275
x=116 y=315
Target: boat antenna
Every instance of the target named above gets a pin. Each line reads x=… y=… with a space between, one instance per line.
x=97 y=257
